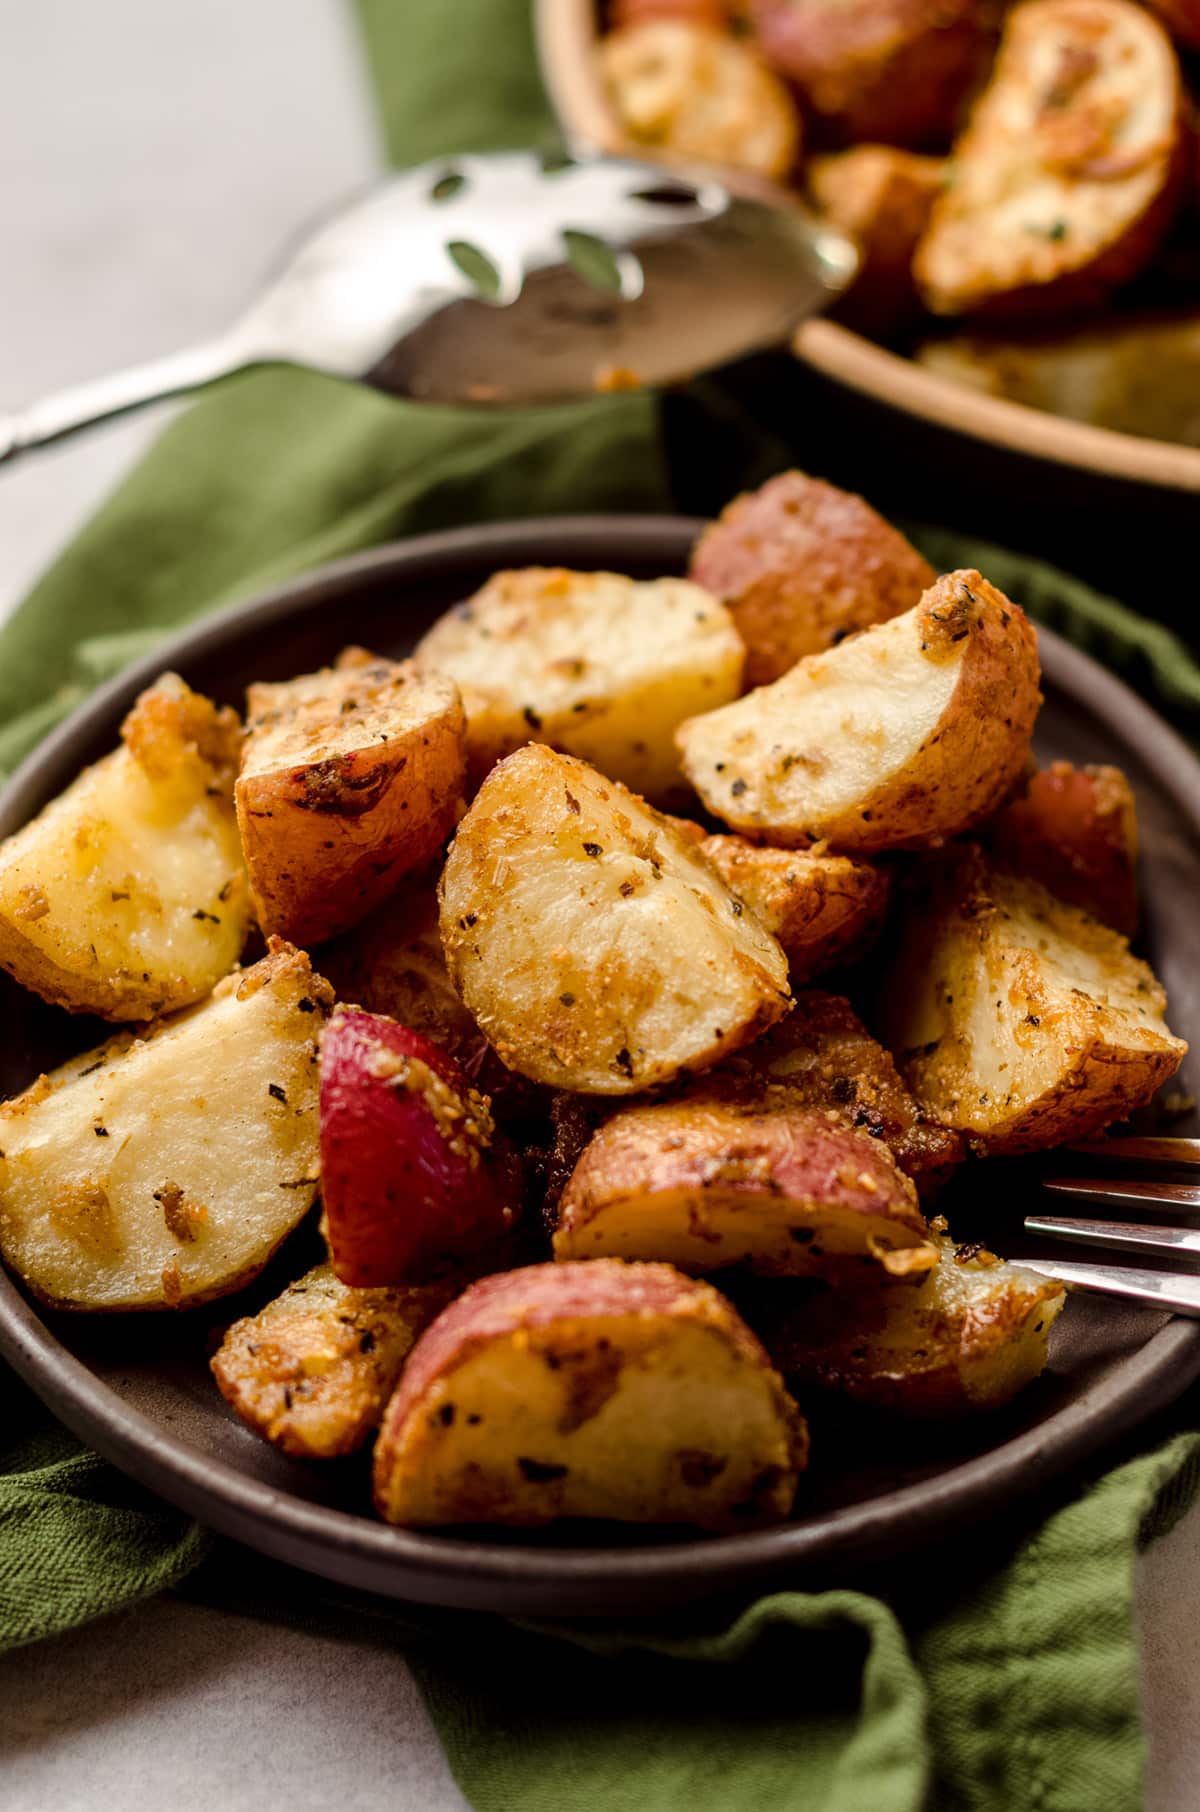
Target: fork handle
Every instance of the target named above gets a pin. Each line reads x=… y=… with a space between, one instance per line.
x=67 y=410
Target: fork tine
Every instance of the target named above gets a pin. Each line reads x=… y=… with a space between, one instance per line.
x=1141 y=1151
x=1158 y=1289
x=1125 y=1235
x=1180 y=1196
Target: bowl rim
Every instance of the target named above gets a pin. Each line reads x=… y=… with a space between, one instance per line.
x=566 y=32
x=489 y=1575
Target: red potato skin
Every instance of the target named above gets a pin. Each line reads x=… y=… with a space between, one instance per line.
x=1075 y=831
x=416 y=1180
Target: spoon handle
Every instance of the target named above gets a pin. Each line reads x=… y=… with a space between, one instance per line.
x=84 y=404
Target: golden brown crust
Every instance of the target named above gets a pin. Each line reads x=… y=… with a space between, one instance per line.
x=516 y=1399
x=693 y=92
x=903 y=736
x=891 y=70
x=313 y=1371
x=800 y=565
x=824 y=909
x=350 y=779
x=1017 y=1019
x=1070 y=169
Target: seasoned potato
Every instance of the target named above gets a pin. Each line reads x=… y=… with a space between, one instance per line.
x=416 y=1178
x=891 y=70
x=824 y=909
x=822 y=1056
x=393 y=963
x=1137 y=373
x=164 y=1170
x=313 y=1371
x=597 y=948
x=350 y=778
x=970 y=1335
x=801 y=565
x=625 y=1392
x=601 y=666
x=1075 y=830
x=127 y=896
x=1018 y=1019
x=1070 y=169
x=697 y=93
x=907 y=734
x=708 y=1182
x=883 y=198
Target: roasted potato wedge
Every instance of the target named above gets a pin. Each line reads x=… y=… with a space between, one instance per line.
x=696 y=93
x=126 y=896
x=1070 y=169
x=350 y=779
x=1017 y=1019
x=709 y=1181
x=824 y=909
x=596 y=947
x=624 y=1392
x=162 y=1171
x=1075 y=830
x=393 y=964
x=822 y=1056
x=601 y=666
x=891 y=70
x=801 y=565
x=903 y=736
x=416 y=1178
x=969 y=1336
x=313 y=1371
x=883 y=198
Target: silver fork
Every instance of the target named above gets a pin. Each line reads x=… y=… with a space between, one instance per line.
x=1177 y=1290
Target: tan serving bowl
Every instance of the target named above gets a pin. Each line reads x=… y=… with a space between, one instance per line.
x=567 y=34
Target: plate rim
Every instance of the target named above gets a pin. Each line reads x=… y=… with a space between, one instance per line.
x=481 y=1574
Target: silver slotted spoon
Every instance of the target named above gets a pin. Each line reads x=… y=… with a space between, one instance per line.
x=508 y=279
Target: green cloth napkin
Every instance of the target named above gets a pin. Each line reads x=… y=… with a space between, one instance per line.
x=1002 y=1672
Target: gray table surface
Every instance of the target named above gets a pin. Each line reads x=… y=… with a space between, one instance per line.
x=151 y=157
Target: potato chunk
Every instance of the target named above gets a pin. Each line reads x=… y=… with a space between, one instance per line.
x=892 y=70
x=883 y=198
x=127 y=896
x=822 y=1056
x=969 y=1336
x=801 y=565
x=907 y=734
x=1070 y=168
x=594 y=945
x=1018 y=1019
x=824 y=909
x=1075 y=831
x=313 y=1371
x=162 y=1171
x=351 y=778
x=699 y=94
x=625 y=1392
x=708 y=1182
x=601 y=666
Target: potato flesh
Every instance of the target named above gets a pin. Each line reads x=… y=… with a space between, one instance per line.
x=595 y=947
x=1021 y=1021
x=351 y=778
x=890 y=740
x=599 y=665
x=969 y=1336
x=1067 y=152
x=313 y=1371
x=705 y=1183
x=161 y=1171
x=660 y=1411
x=127 y=896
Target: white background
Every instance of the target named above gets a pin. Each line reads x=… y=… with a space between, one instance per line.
x=153 y=153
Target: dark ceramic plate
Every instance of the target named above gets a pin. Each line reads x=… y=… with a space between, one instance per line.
x=138 y=1389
